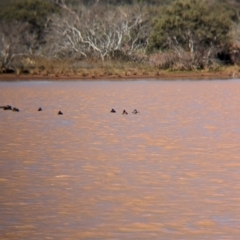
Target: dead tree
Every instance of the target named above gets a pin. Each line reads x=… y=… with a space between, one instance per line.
x=99 y=32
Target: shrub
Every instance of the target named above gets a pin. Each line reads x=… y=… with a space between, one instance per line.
x=34 y=12
x=199 y=27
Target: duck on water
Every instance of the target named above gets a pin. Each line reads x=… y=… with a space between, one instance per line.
x=6 y=107
x=135 y=111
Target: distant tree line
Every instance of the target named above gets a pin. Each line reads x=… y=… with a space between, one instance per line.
x=176 y=34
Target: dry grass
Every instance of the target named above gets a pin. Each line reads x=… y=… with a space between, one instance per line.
x=93 y=69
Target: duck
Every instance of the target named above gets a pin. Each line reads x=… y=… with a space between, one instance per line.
x=124 y=112
x=40 y=109
x=135 y=111
x=60 y=113
x=15 y=109
x=113 y=111
x=7 y=107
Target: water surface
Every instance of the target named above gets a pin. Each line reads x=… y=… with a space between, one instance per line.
x=172 y=172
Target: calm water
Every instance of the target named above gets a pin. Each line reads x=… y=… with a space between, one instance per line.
x=172 y=172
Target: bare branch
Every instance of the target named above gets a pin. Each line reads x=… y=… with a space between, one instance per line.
x=97 y=32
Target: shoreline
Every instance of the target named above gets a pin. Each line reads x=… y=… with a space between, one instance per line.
x=161 y=76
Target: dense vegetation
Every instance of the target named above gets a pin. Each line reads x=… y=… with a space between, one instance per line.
x=195 y=31
x=167 y=34
x=28 y=11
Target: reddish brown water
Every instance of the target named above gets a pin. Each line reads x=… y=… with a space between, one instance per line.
x=172 y=172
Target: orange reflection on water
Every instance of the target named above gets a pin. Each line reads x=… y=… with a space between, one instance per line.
x=171 y=172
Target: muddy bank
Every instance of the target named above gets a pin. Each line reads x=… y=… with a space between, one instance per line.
x=160 y=75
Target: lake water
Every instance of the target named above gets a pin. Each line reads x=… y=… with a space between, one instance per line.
x=171 y=172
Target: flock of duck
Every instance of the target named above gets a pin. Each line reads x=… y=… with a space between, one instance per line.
x=135 y=111
x=8 y=107
x=14 y=109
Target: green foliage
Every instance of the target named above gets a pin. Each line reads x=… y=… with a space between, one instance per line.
x=4 y=3
x=191 y=22
x=34 y=12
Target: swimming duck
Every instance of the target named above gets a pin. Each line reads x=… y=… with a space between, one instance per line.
x=124 y=112
x=113 y=111
x=60 y=113
x=135 y=111
x=40 y=109
x=7 y=107
x=15 y=109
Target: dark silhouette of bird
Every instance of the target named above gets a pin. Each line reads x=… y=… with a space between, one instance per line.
x=15 y=109
x=40 y=109
x=7 y=107
x=135 y=111
x=60 y=113
x=124 y=112
x=113 y=111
